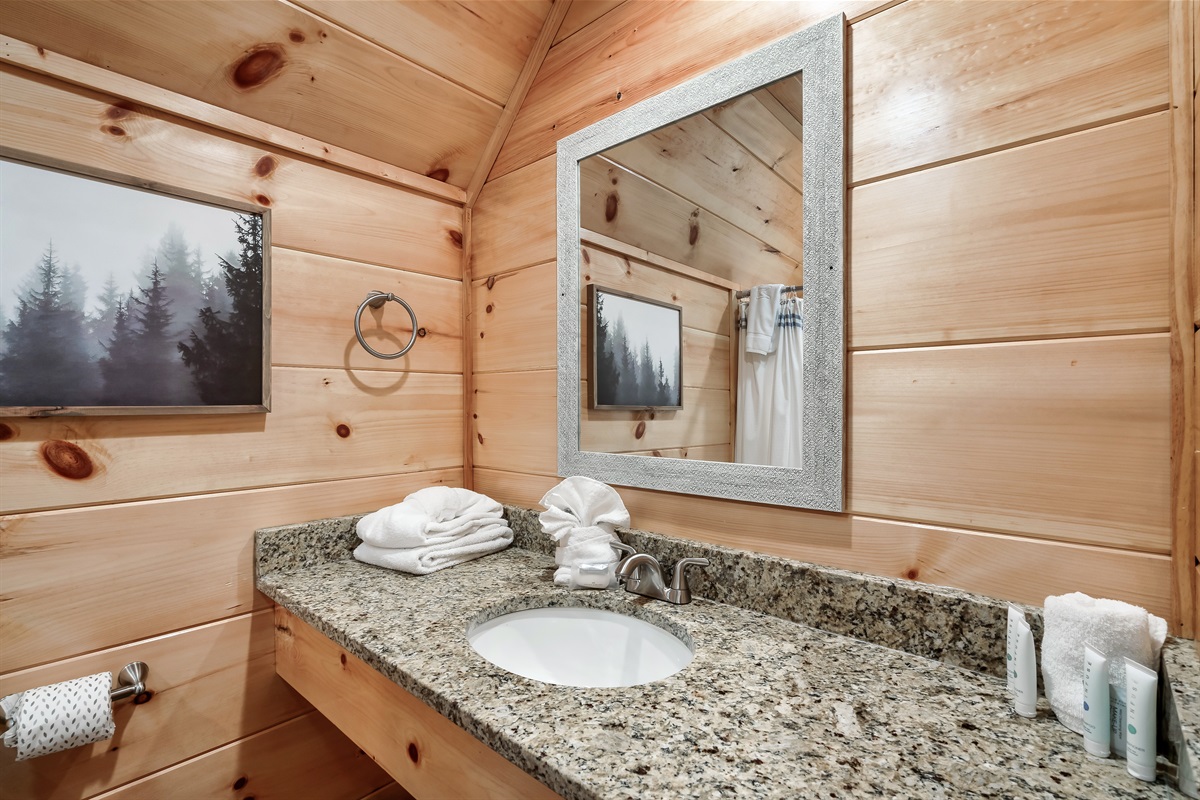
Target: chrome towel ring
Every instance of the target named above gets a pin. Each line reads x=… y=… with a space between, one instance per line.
x=375 y=300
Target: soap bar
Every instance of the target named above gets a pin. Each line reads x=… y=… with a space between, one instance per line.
x=592 y=576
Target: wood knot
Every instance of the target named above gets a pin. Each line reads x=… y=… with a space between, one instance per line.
x=414 y=755
x=342 y=658
x=296 y=35
x=118 y=111
x=42 y=52
x=587 y=257
x=640 y=430
x=240 y=784
x=456 y=237
x=479 y=436
x=912 y=574
x=343 y=430
x=491 y=281
x=421 y=332
x=481 y=334
x=440 y=174
x=260 y=64
x=265 y=166
x=488 y=310
x=610 y=206
x=113 y=130
x=6 y=432
x=262 y=200
x=67 y=459
x=693 y=231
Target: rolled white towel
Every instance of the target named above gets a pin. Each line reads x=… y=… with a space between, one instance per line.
x=431 y=515
x=431 y=558
x=1117 y=629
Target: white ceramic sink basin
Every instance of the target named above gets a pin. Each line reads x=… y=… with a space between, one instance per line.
x=580 y=647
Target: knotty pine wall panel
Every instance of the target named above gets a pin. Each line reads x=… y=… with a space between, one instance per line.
x=212 y=684
x=278 y=63
x=975 y=217
x=132 y=537
x=480 y=44
x=159 y=546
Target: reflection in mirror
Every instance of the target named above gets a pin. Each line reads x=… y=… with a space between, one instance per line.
x=696 y=214
x=722 y=198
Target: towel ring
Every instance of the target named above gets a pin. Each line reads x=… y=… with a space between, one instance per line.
x=375 y=300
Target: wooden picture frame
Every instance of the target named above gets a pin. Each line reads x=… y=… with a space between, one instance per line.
x=145 y=299
x=635 y=360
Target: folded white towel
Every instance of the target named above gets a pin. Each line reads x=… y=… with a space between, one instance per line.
x=485 y=540
x=431 y=515
x=761 y=314
x=582 y=516
x=1117 y=629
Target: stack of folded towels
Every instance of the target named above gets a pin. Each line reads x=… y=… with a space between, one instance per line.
x=434 y=528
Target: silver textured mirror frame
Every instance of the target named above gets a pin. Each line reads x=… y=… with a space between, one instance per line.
x=818 y=53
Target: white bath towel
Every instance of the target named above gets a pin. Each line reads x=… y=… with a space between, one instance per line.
x=1117 y=629
x=485 y=540
x=433 y=515
x=582 y=516
x=761 y=314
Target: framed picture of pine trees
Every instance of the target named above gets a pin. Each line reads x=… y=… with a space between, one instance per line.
x=116 y=298
x=635 y=360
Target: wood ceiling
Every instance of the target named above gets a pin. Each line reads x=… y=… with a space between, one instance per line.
x=430 y=87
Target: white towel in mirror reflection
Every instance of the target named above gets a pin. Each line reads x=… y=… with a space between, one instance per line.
x=770 y=407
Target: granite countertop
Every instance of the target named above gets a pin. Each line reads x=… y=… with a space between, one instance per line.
x=768 y=708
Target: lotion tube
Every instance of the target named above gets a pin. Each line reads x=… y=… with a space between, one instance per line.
x=1010 y=660
x=1025 y=679
x=1141 y=700
x=1097 y=726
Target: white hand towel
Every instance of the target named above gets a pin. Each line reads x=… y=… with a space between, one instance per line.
x=431 y=558
x=761 y=314
x=1118 y=629
x=582 y=516
x=429 y=516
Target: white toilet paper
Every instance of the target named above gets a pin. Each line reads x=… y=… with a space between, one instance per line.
x=60 y=716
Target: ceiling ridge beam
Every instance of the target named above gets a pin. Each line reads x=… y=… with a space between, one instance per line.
x=541 y=46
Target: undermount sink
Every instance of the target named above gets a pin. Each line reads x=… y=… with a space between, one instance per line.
x=578 y=646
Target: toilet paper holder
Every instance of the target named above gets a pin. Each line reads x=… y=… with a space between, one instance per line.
x=131 y=682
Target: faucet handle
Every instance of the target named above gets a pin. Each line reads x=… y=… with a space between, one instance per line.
x=679 y=580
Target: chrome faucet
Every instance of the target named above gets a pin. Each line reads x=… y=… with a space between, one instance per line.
x=642 y=574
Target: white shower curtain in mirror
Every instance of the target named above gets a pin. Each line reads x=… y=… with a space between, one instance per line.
x=769 y=402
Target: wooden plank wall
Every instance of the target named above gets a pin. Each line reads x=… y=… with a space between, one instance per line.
x=1009 y=375
x=146 y=551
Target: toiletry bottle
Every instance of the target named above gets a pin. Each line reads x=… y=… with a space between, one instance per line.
x=1010 y=655
x=1097 y=728
x=1141 y=698
x=1025 y=686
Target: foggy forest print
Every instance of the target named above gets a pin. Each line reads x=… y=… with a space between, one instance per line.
x=118 y=297
x=637 y=352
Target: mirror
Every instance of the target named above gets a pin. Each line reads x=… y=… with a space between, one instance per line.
x=671 y=212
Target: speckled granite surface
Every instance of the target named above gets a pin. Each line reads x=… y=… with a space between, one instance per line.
x=768 y=708
x=959 y=628
x=1180 y=697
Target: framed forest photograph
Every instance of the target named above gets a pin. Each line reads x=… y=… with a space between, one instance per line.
x=636 y=348
x=116 y=298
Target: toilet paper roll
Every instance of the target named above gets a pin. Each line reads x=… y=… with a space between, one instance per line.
x=60 y=716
